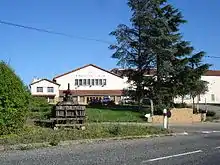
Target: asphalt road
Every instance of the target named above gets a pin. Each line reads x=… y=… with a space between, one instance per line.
x=197 y=149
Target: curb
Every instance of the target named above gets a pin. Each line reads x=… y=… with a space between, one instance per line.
x=76 y=142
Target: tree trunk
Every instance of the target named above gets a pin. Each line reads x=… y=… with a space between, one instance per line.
x=182 y=100
x=139 y=97
x=193 y=105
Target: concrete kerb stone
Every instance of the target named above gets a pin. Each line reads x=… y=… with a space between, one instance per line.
x=76 y=142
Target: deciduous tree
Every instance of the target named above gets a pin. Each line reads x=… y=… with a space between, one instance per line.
x=14 y=98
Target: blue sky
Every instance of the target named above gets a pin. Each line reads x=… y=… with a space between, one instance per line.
x=44 y=55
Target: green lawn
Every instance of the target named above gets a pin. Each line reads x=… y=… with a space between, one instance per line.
x=113 y=115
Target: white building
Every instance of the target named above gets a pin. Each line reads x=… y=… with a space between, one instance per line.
x=45 y=88
x=212 y=96
x=86 y=83
x=91 y=81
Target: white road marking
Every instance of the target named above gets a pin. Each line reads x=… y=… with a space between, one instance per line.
x=206 y=132
x=172 y=156
x=185 y=133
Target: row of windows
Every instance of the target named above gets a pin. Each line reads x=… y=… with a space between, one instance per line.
x=49 y=89
x=90 y=82
x=187 y=97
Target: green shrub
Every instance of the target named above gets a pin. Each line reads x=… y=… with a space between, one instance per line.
x=55 y=140
x=39 y=108
x=39 y=104
x=159 y=109
x=210 y=114
x=14 y=100
x=114 y=130
x=180 y=105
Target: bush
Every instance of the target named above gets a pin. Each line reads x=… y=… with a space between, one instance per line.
x=39 y=108
x=210 y=114
x=159 y=109
x=14 y=100
x=55 y=140
x=114 y=130
x=39 y=104
x=180 y=105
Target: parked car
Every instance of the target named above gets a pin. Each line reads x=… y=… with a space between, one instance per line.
x=106 y=100
x=128 y=101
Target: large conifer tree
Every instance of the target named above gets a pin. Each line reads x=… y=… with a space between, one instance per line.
x=153 y=41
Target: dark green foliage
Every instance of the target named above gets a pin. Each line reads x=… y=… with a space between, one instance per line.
x=14 y=99
x=39 y=104
x=210 y=114
x=153 y=41
x=39 y=108
x=55 y=140
x=133 y=45
x=181 y=105
x=114 y=130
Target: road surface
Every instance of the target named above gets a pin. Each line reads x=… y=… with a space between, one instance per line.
x=198 y=148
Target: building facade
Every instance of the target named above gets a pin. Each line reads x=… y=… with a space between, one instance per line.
x=45 y=88
x=212 y=96
x=92 y=82
x=87 y=83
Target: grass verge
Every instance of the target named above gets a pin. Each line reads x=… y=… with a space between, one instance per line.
x=34 y=134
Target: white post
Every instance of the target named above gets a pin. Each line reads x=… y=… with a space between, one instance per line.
x=165 y=119
x=152 y=107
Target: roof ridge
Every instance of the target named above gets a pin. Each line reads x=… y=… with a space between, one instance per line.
x=45 y=80
x=85 y=67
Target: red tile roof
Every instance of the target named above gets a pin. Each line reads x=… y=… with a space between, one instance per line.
x=94 y=92
x=212 y=73
x=121 y=72
x=85 y=67
x=44 y=95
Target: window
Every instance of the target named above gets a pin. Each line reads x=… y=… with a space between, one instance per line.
x=39 y=89
x=96 y=81
x=80 y=81
x=76 y=82
x=100 y=82
x=84 y=82
x=104 y=81
x=212 y=97
x=90 y=82
x=50 y=89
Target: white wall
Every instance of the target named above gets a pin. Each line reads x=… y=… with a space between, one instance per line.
x=44 y=84
x=213 y=89
x=112 y=82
